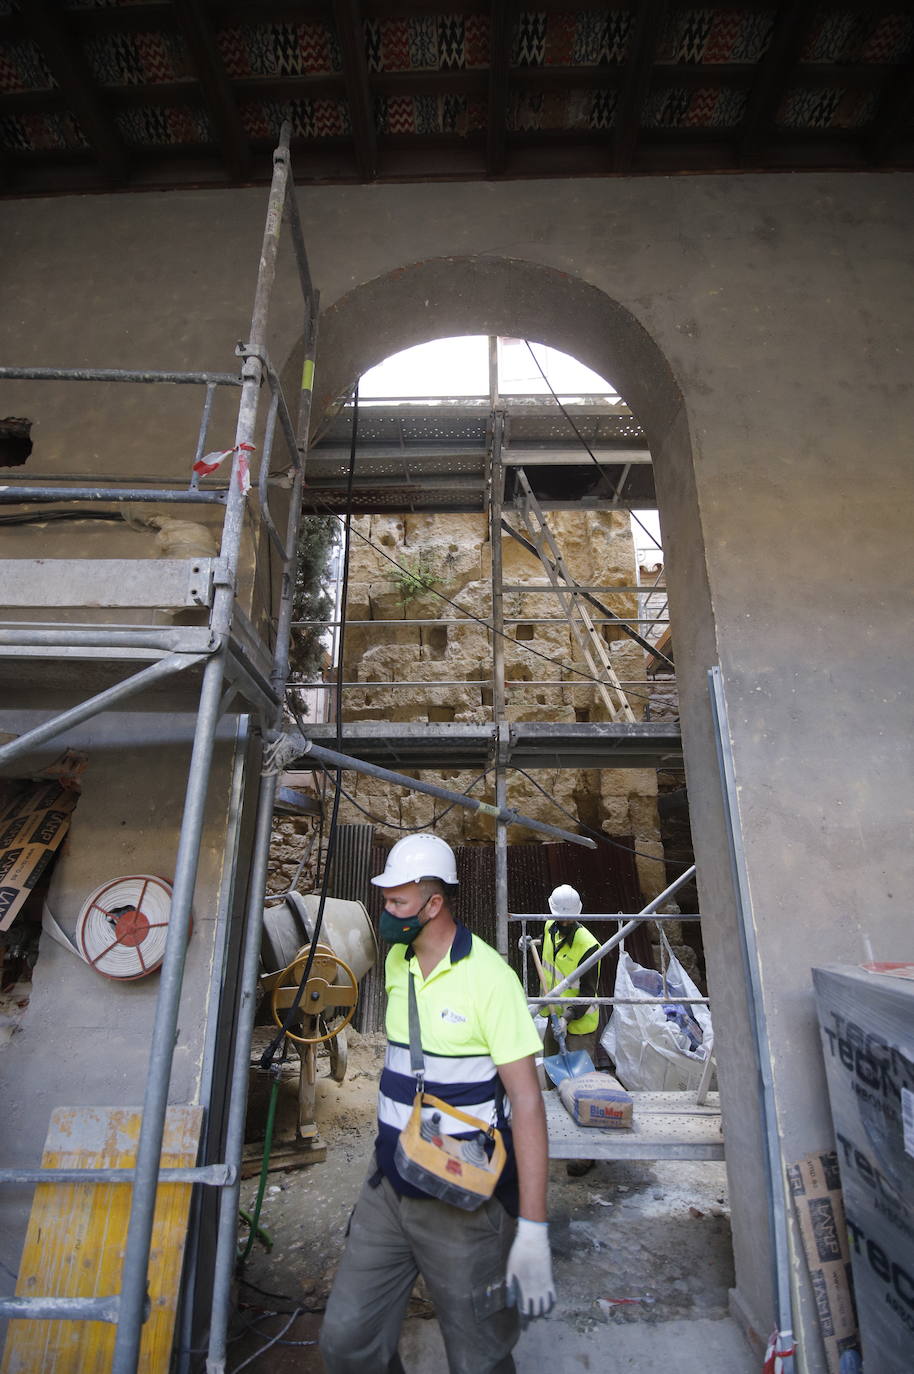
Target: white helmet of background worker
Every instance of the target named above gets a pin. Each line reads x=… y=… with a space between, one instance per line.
x=419 y=856
x=565 y=902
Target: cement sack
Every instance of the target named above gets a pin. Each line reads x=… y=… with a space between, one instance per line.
x=596 y=1099
x=657 y=1046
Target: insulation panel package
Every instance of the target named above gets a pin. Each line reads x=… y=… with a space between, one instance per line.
x=867 y=1026
x=815 y=1186
x=34 y=818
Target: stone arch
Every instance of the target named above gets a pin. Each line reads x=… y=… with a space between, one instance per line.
x=443 y=297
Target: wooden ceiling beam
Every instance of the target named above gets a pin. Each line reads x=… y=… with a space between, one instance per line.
x=347 y=15
x=502 y=16
x=466 y=81
x=154 y=18
x=218 y=98
x=67 y=64
x=773 y=73
x=646 y=29
x=225 y=13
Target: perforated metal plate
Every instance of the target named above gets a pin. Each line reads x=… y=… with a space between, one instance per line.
x=665 y=1126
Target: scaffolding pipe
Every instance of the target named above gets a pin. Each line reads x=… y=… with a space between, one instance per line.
x=164 y=1032
x=59 y=724
x=99 y=637
x=609 y=916
x=116 y=374
x=621 y=1001
x=227 y=1231
x=212 y=1175
x=477 y=682
x=473 y=622
x=373 y=770
x=227 y=1228
x=201 y=434
x=43 y=496
x=496 y=480
x=61 y=1309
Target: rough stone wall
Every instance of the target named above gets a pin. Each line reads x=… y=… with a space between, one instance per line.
x=598 y=550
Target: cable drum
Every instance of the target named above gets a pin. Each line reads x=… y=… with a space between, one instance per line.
x=122 y=926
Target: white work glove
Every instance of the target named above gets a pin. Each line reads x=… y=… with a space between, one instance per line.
x=528 y=1277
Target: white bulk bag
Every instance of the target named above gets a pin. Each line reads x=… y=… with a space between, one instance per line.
x=652 y=1052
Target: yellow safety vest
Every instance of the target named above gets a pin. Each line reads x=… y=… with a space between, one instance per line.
x=557 y=966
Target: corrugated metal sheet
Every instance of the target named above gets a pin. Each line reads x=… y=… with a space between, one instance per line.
x=353 y=865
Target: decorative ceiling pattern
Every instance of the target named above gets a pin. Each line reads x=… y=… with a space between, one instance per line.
x=99 y=94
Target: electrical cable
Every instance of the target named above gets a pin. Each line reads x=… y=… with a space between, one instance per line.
x=410 y=829
x=587 y=829
x=270 y=1343
x=266 y=1293
x=48 y=516
x=470 y=615
x=580 y=436
x=238 y=1336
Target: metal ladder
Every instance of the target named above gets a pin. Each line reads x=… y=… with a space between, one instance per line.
x=587 y=636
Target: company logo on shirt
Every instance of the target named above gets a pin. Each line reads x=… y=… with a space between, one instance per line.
x=453 y=1017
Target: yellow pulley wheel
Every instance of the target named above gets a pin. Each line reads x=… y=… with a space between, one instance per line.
x=322 y=994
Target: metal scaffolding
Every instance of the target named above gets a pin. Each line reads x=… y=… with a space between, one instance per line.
x=226 y=657
x=230 y=659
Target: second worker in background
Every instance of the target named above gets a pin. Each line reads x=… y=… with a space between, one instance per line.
x=566 y=944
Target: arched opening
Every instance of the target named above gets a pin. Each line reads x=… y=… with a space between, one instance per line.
x=443 y=298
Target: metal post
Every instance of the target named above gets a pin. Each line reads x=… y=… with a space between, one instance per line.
x=228 y=1203
x=496 y=479
x=139 y=1233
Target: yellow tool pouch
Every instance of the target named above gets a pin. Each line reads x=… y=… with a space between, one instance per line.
x=461 y=1172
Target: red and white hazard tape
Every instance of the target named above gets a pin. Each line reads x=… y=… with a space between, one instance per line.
x=211 y=461
x=781 y=1349
x=121 y=928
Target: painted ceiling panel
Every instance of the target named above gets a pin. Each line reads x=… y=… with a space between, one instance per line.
x=107 y=94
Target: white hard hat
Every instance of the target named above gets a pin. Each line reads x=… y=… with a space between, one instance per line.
x=418 y=856
x=565 y=901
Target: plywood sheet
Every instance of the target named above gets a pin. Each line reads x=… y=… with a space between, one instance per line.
x=75 y=1242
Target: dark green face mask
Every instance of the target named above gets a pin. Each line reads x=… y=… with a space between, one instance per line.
x=400 y=930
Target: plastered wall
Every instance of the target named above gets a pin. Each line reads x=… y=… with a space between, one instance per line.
x=761 y=327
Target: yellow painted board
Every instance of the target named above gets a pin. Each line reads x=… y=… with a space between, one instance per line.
x=74 y=1245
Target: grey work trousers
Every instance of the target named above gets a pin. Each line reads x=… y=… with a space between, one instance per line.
x=460 y=1255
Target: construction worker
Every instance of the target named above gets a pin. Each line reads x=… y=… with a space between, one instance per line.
x=486 y=1268
x=566 y=944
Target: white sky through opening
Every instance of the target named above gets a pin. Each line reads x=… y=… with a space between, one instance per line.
x=459 y=368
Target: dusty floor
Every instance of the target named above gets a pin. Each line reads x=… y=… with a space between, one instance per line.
x=642 y=1254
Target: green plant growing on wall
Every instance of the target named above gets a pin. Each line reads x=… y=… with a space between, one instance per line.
x=310 y=598
x=415 y=576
